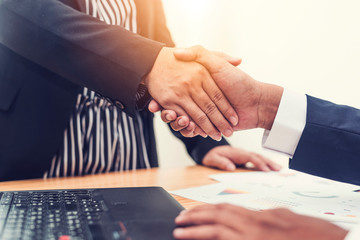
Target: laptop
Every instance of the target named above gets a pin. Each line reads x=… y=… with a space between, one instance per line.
x=94 y=214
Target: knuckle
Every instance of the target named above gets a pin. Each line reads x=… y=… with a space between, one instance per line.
x=216 y=232
x=210 y=108
x=199 y=70
x=218 y=96
x=202 y=119
x=167 y=98
x=187 y=82
x=198 y=47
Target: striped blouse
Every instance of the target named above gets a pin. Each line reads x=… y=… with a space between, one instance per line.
x=99 y=137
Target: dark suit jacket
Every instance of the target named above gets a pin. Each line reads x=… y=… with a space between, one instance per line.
x=330 y=144
x=49 y=49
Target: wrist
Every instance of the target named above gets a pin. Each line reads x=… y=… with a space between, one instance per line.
x=269 y=104
x=156 y=66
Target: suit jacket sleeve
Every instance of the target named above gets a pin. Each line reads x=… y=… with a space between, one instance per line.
x=107 y=59
x=329 y=145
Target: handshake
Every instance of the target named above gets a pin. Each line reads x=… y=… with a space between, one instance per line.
x=203 y=93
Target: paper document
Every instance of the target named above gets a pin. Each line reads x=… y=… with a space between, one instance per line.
x=302 y=193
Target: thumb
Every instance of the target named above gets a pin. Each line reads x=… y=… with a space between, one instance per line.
x=186 y=54
x=154 y=106
x=235 y=61
x=212 y=62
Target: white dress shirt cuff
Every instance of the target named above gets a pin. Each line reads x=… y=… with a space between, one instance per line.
x=354 y=234
x=288 y=125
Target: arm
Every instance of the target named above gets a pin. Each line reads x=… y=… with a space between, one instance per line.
x=224 y=221
x=112 y=61
x=328 y=146
x=78 y=47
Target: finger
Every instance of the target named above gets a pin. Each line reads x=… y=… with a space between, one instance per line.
x=154 y=106
x=189 y=131
x=203 y=232
x=224 y=214
x=193 y=130
x=199 y=54
x=235 y=61
x=201 y=119
x=181 y=112
x=212 y=112
x=258 y=163
x=271 y=164
x=218 y=161
x=190 y=54
x=197 y=130
x=240 y=156
x=221 y=102
x=185 y=54
x=223 y=207
x=168 y=116
x=181 y=123
x=186 y=128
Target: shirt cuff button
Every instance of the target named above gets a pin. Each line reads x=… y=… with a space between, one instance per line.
x=119 y=104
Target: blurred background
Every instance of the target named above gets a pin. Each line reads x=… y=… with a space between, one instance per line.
x=310 y=46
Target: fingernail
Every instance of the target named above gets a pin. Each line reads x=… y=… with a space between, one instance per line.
x=230 y=167
x=181 y=122
x=178 y=232
x=179 y=219
x=233 y=121
x=167 y=117
x=266 y=169
x=228 y=132
x=217 y=137
x=278 y=167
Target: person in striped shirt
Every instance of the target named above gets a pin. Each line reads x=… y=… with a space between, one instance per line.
x=79 y=41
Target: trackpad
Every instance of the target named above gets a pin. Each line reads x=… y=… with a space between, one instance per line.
x=160 y=229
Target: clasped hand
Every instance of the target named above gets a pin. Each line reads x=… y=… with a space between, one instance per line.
x=255 y=103
x=188 y=89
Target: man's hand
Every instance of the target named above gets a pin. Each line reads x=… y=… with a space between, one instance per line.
x=229 y=222
x=256 y=103
x=228 y=158
x=188 y=89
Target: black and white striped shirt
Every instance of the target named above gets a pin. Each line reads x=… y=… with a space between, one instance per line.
x=99 y=137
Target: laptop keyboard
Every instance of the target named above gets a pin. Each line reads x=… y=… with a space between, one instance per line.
x=54 y=215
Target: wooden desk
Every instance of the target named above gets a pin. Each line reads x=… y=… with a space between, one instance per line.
x=169 y=179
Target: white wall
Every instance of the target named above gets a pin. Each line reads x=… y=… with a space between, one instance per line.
x=311 y=46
